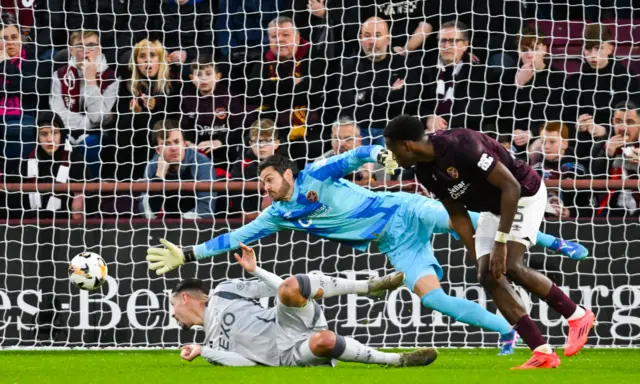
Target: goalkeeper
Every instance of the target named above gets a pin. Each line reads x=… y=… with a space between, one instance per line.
x=240 y=332
x=318 y=201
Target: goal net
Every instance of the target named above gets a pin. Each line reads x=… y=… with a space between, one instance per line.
x=149 y=97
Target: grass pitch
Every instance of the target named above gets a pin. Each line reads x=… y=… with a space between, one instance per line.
x=459 y=366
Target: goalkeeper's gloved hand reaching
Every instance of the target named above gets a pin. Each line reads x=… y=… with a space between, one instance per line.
x=163 y=260
x=387 y=159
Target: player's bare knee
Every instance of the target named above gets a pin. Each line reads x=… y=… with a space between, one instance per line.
x=486 y=279
x=289 y=293
x=516 y=271
x=322 y=343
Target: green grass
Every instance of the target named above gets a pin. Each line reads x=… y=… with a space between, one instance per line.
x=602 y=366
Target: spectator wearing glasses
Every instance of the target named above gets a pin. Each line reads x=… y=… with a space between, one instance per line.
x=83 y=94
x=457 y=92
x=345 y=136
x=263 y=143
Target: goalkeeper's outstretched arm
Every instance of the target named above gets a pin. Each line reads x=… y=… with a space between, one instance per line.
x=163 y=260
x=341 y=165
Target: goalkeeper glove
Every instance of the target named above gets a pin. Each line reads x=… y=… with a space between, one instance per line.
x=163 y=260
x=387 y=159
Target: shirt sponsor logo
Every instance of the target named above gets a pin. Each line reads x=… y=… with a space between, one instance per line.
x=458 y=190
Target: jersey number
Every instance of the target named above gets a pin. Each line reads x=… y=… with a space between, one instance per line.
x=485 y=162
x=519 y=217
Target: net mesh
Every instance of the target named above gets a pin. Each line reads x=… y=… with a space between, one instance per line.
x=115 y=92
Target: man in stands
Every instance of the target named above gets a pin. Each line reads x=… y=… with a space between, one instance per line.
x=289 y=88
x=83 y=94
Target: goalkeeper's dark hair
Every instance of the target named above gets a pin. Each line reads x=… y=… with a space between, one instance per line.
x=190 y=285
x=404 y=128
x=280 y=164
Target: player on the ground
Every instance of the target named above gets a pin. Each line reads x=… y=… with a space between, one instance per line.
x=240 y=332
x=318 y=201
x=467 y=170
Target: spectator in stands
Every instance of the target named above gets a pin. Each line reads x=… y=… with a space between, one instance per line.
x=152 y=94
x=83 y=94
x=289 y=87
x=591 y=95
x=18 y=93
x=212 y=119
x=188 y=29
x=457 y=92
x=240 y=37
x=177 y=162
x=532 y=94
x=376 y=85
x=345 y=136
x=619 y=156
x=53 y=161
x=263 y=143
x=557 y=161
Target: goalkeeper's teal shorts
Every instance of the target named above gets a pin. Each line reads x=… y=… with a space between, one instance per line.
x=407 y=238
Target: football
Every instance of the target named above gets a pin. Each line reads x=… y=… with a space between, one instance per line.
x=87 y=271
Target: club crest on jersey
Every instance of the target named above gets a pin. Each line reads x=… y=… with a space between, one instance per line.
x=221 y=113
x=452 y=172
x=312 y=196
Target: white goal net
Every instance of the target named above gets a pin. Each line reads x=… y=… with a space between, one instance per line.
x=107 y=106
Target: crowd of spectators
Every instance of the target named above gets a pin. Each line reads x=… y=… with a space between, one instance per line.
x=202 y=90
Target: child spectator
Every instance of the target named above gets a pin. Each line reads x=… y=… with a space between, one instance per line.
x=264 y=142
x=532 y=93
x=83 y=94
x=558 y=162
x=212 y=118
x=152 y=94
x=53 y=161
x=174 y=161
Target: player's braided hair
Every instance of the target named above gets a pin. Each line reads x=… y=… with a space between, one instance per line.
x=404 y=128
x=280 y=164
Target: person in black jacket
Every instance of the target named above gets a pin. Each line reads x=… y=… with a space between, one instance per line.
x=457 y=92
x=377 y=85
x=602 y=83
x=289 y=88
x=531 y=93
x=188 y=28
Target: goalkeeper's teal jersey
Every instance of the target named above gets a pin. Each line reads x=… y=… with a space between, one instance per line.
x=326 y=205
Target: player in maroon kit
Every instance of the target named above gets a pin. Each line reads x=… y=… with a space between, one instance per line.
x=467 y=170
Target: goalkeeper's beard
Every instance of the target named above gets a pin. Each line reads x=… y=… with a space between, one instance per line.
x=282 y=192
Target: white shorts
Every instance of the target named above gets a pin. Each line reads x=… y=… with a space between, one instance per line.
x=525 y=226
x=296 y=325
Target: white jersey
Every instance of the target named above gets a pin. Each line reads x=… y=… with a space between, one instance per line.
x=236 y=322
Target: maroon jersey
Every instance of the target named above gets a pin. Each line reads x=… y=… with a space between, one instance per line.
x=464 y=160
